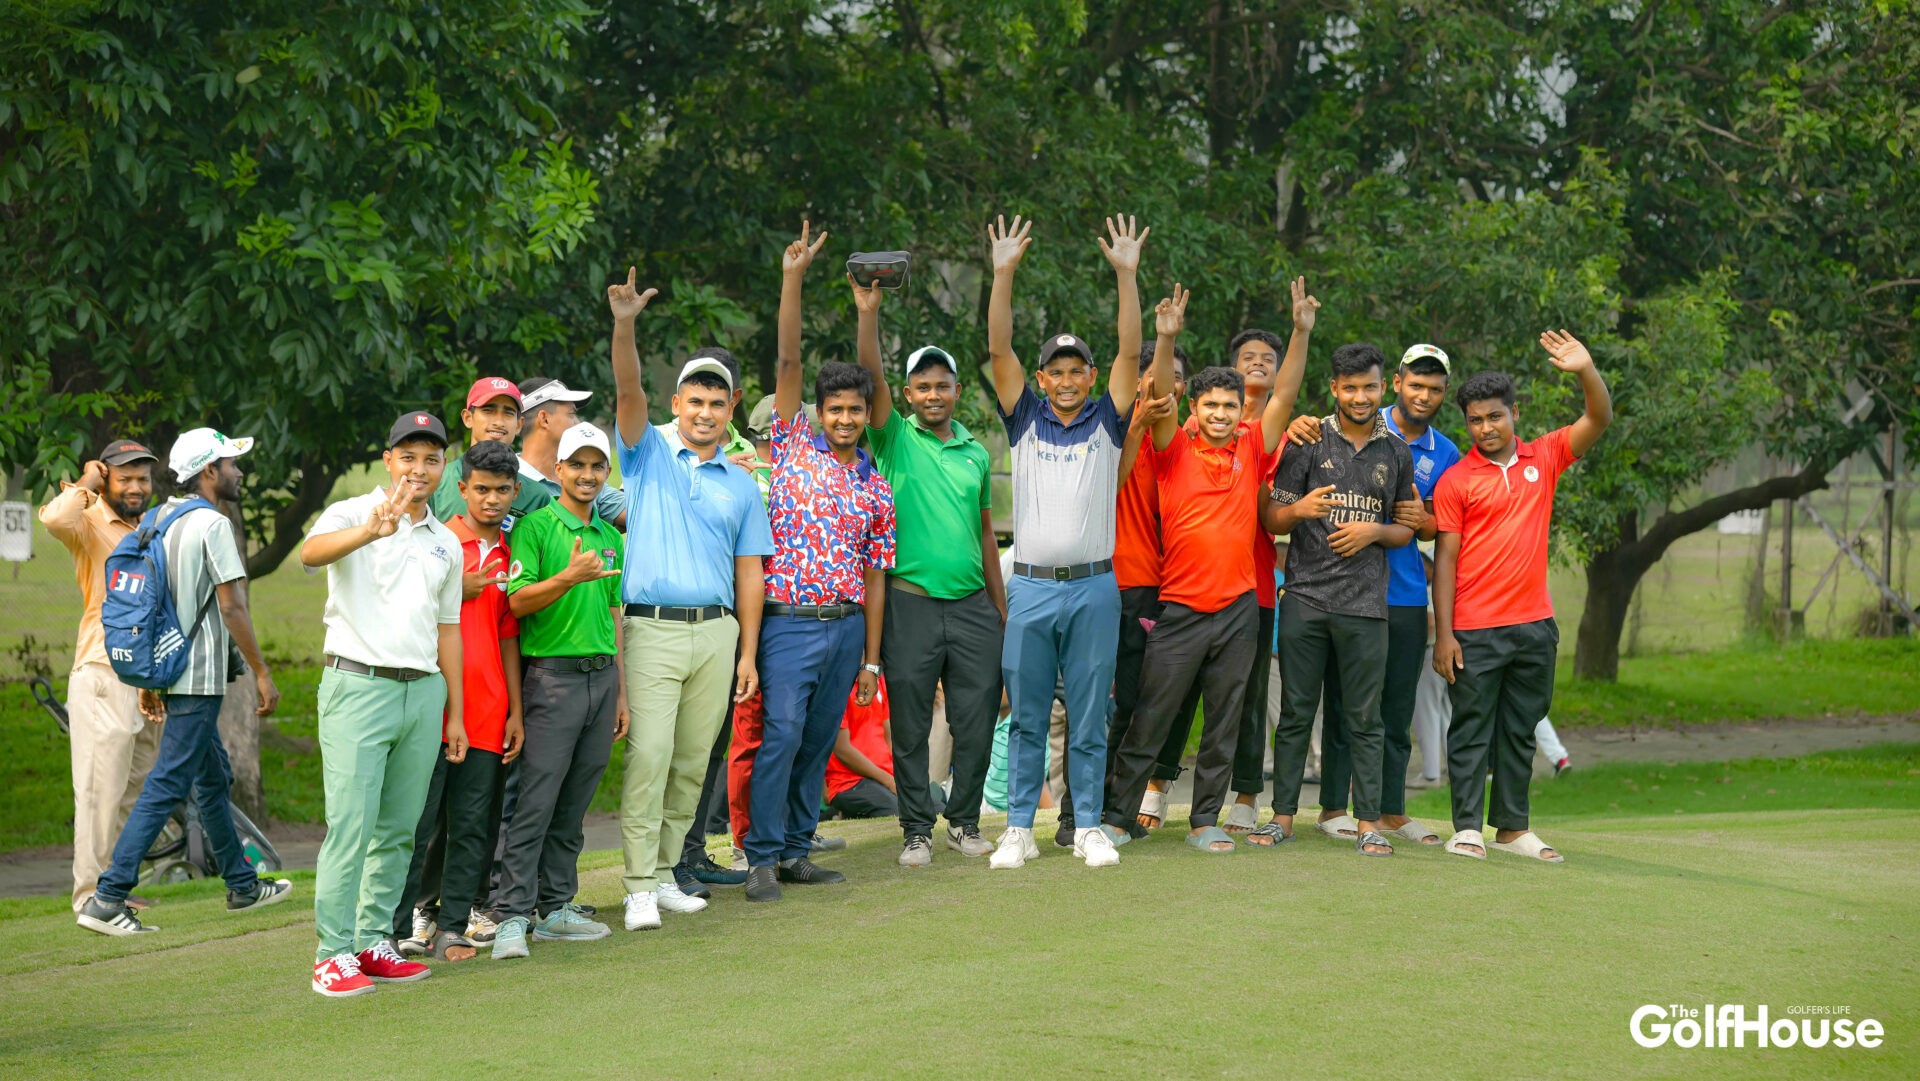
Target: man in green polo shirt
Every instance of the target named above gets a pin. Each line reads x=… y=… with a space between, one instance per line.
x=564 y=587
x=946 y=604
x=492 y=414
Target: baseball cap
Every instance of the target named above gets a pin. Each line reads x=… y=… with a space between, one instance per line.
x=760 y=422
x=540 y=390
x=1064 y=343
x=124 y=451
x=408 y=425
x=487 y=388
x=197 y=448
x=583 y=435
x=1414 y=353
x=705 y=364
x=930 y=352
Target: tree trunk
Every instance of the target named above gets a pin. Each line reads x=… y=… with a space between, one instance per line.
x=1611 y=580
x=240 y=731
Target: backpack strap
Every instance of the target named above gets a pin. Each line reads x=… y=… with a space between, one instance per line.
x=160 y=527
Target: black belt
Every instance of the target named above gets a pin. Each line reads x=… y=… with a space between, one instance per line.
x=822 y=612
x=1064 y=574
x=572 y=664
x=678 y=615
x=403 y=675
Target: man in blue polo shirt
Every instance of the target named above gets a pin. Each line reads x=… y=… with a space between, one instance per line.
x=1063 y=602
x=1419 y=390
x=696 y=535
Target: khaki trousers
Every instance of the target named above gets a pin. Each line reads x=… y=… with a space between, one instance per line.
x=679 y=677
x=113 y=747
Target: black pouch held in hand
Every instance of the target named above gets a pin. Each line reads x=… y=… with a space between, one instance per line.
x=886 y=269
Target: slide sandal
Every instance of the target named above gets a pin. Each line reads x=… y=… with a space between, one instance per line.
x=1372 y=837
x=1270 y=830
x=1413 y=831
x=1117 y=836
x=1467 y=837
x=1241 y=817
x=1207 y=838
x=1339 y=827
x=1531 y=846
x=1153 y=805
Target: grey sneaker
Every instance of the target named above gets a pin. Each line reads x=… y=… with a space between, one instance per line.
x=269 y=891
x=481 y=928
x=567 y=924
x=111 y=918
x=967 y=841
x=917 y=852
x=510 y=939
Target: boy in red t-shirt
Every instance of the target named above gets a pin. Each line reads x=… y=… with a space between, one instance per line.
x=1495 y=638
x=860 y=773
x=463 y=799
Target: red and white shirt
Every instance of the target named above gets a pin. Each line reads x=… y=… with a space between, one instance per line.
x=832 y=520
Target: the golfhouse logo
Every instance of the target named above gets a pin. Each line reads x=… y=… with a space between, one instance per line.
x=1729 y=1027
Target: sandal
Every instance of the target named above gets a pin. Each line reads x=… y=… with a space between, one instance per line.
x=1210 y=836
x=1153 y=806
x=1272 y=831
x=1464 y=842
x=1373 y=838
x=453 y=946
x=1117 y=836
x=1412 y=830
x=1531 y=846
x=1241 y=818
x=1339 y=827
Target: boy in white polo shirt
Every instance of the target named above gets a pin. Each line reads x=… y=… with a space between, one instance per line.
x=392 y=674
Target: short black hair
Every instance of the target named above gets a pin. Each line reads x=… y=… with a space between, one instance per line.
x=836 y=376
x=707 y=380
x=1481 y=386
x=1253 y=334
x=1179 y=354
x=1425 y=366
x=489 y=457
x=1358 y=358
x=1217 y=378
x=724 y=356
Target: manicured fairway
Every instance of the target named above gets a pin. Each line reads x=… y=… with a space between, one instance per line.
x=1309 y=961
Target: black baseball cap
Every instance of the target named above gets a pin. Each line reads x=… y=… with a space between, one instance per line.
x=125 y=452
x=1064 y=343
x=413 y=424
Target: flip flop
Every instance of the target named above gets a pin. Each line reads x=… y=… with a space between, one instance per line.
x=1207 y=838
x=1117 y=836
x=1271 y=829
x=1154 y=805
x=1372 y=837
x=1531 y=846
x=1413 y=831
x=1467 y=837
x=453 y=946
x=1241 y=818
x=1339 y=827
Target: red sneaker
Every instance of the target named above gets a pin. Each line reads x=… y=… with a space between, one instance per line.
x=339 y=976
x=384 y=963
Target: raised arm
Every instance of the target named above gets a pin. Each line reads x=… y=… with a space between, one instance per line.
x=630 y=395
x=1568 y=355
x=1169 y=318
x=1124 y=254
x=1007 y=246
x=1147 y=411
x=787 y=369
x=867 y=303
x=1293 y=368
x=320 y=549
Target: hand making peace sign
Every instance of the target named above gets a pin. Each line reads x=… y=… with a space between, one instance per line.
x=799 y=254
x=385 y=517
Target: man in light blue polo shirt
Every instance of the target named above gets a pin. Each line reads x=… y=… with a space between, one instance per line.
x=1063 y=603
x=693 y=586
x=1419 y=390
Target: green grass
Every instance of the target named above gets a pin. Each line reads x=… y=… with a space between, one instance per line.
x=961 y=972
x=1749 y=680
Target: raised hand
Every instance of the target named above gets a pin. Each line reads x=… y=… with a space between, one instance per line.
x=1147 y=409
x=1565 y=351
x=866 y=298
x=1124 y=252
x=1170 y=315
x=625 y=300
x=1316 y=504
x=1305 y=307
x=93 y=475
x=583 y=566
x=1304 y=429
x=799 y=254
x=1008 y=245
x=384 y=518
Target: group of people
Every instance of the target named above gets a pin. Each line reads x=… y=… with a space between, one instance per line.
x=775 y=623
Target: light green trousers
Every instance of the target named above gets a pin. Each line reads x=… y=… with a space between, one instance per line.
x=378 y=738
x=679 y=681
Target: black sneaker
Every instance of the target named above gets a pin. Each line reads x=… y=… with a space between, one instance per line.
x=763 y=884
x=268 y=891
x=1063 y=834
x=689 y=885
x=111 y=918
x=828 y=844
x=705 y=870
x=807 y=872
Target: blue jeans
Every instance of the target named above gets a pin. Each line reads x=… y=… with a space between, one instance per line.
x=192 y=758
x=807 y=669
x=1067 y=632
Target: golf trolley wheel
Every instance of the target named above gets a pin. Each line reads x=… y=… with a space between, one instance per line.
x=172 y=840
x=174 y=871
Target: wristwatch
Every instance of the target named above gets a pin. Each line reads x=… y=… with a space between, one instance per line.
x=874 y=668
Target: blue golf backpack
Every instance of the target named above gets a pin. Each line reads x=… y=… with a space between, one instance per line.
x=146 y=643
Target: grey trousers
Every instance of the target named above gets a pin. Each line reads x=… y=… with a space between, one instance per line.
x=954 y=644
x=569 y=718
x=1308 y=636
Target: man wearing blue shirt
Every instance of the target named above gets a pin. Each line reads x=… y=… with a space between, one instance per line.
x=1420 y=389
x=696 y=535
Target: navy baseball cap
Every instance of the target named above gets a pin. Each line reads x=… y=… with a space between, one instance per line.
x=1064 y=343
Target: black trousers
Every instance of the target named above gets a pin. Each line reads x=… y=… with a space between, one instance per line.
x=1499 y=696
x=569 y=741
x=1407 y=654
x=953 y=644
x=1249 y=748
x=713 y=787
x=461 y=809
x=1185 y=648
x=1139 y=607
x=867 y=798
x=1311 y=636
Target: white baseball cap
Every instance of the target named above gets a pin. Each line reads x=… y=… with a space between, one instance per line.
x=931 y=353
x=535 y=393
x=198 y=448
x=706 y=364
x=1415 y=352
x=583 y=435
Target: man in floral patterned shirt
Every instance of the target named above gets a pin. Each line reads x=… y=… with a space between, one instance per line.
x=833 y=537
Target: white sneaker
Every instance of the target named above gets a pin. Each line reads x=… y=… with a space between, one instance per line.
x=1016 y=848
x=1094 y=846
x=668 y=896
x=643 y=913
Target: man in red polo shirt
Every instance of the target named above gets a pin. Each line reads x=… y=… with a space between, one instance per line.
x=1495 y=635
